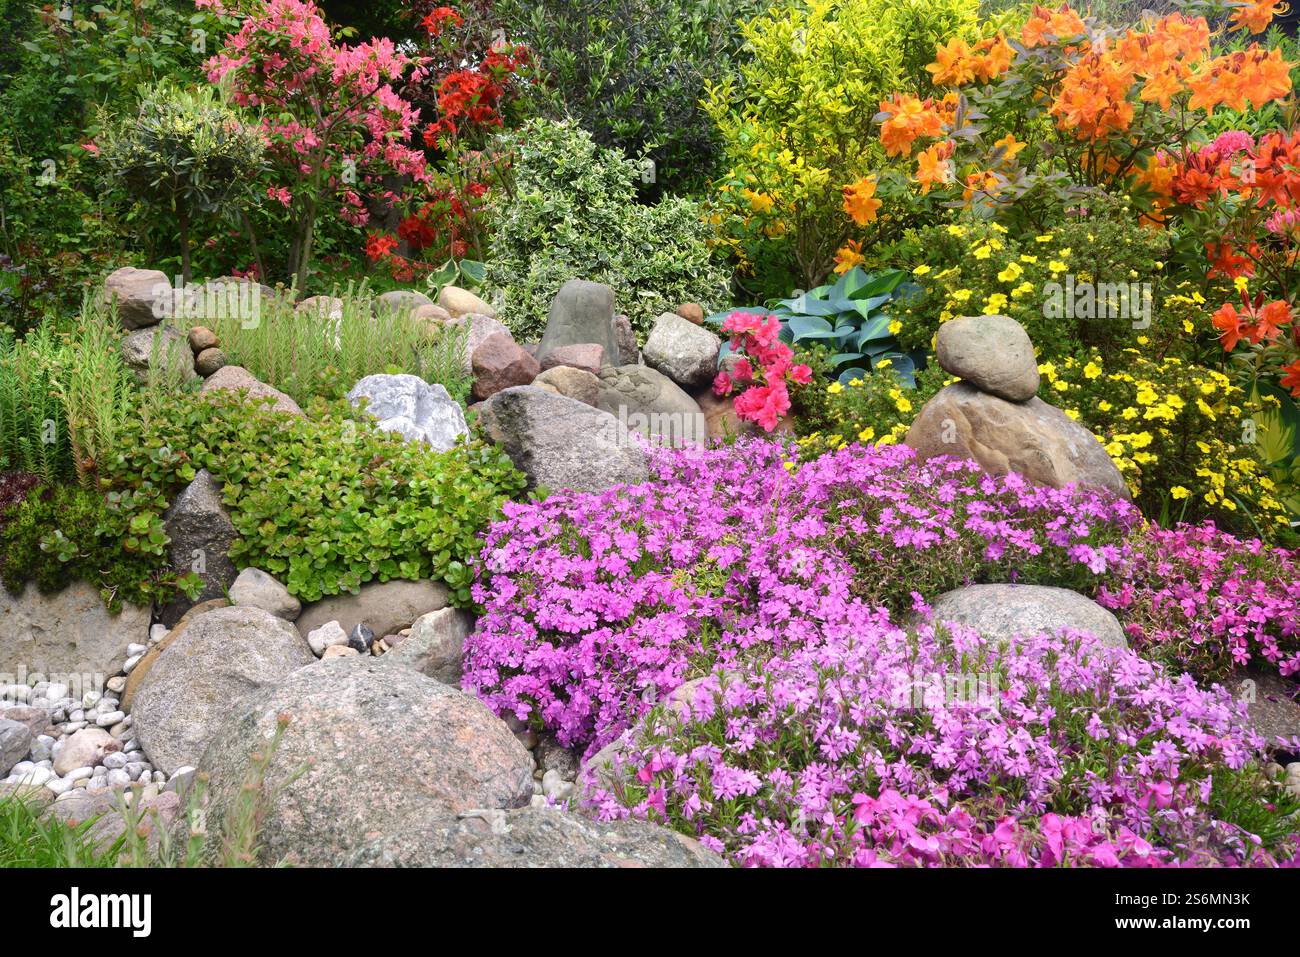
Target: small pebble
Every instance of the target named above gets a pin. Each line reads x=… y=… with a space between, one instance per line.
x=110 y=719
x=116 y=684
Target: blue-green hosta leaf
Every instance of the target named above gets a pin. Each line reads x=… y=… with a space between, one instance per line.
x=810 y=327
x=873 y=330
x=842 y=357
x=880 y=285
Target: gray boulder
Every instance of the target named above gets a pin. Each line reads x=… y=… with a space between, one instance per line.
x=580 y=312
x=201 y=534
x=164 y=347
x=1005 y=611
x=240 y=380
x=365 y=748
x=561 y=443
x=435 y=647
x=649 y=402
x=384 y=607
x=685 y=352
x=413 y=408
x=15 y=744
x=139 y=294
x=574 y=383
x=529 y=837
x=254 y=588
x=219 y=658
x=66 y=633
x=401 y=302
x=992 y=353
x=625 y=336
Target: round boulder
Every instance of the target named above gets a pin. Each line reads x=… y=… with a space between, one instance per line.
x=365 y=748
x=218 y=658
x=1005 y=611
x=992 y=353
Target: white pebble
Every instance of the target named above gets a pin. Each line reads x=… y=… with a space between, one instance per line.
x=136 y=649
x=90 y=699
x=118 y=779
x=78 y=774
x=131 y=663
x=156 y=634
x=114 y=760
x=56 y=692
x=110 y=719
x=59 y=785
x=116 y=684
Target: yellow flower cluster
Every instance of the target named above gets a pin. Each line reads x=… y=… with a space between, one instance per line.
x=1183 y=436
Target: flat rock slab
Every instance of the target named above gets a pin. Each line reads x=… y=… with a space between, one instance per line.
x=69 y=632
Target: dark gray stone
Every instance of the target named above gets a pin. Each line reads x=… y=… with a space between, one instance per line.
x=581 y=312
x=201 y=534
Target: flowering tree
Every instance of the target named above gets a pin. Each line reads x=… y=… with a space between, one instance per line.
x=333 y=121
x=466 y=80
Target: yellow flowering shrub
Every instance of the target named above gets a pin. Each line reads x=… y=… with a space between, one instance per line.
x=1081 y=284
x=876 y=409
x=1184 y=437
x=797 y=128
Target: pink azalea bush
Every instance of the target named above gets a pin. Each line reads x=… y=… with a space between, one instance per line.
x=762 y=392
x=826 y=754
x=1209 y=602
x=332 y=118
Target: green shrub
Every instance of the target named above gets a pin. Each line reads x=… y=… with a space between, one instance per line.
x=33 y=422
x=305 y=354
x=325 y=503
x=572 y=214
x=183 y=154
x=61 y=534
x=633 y=72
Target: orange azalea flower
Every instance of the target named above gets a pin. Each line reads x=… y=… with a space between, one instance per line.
x=1291 y=378
x=905 y=119
x=1276 y=160
x=1253 y=76
x=1045 y=25
x=1230 y=324
x=1158 y=175
x=984 y=184
x=934 y=166
x=860 y=201
x=953 y=64
x=1009 y=146
x=994 y=57
x=1162 y=88
x=1093 y=99
x=1270 y=320
x=1225 y=261
x=848 y=256
x=1257 y=16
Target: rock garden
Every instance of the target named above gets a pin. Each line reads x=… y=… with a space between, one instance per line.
x=410 y=457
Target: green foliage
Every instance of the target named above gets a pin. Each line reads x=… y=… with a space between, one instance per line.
x=27 y=840
x=33 y=421
x=633 y=72
x=62 y=534
x=306 y=353
x=797 y=125
x=325 y=503
x=183 y=154
x=572 y=214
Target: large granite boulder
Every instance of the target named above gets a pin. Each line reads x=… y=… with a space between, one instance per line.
x=1005 y=611
x=215 y=661
x=384 y=607
x=366 y=747
x=201 y=534
x=581 y=312
x=574 y=383
x=685 y=352
x=240 y=380
x=529 y=837
x=139 y=294
x=649 y=402
x=408 y=405
x=992 y=353
x=69 y=632
x=561 y=443
x=1037 y=440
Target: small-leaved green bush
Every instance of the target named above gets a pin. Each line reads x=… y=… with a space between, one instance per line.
x=328 y=502
x=572 y=213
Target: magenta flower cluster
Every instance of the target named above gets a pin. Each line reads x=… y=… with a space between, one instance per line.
x=1209 y=602
x=596 y=605
x=867 y=748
